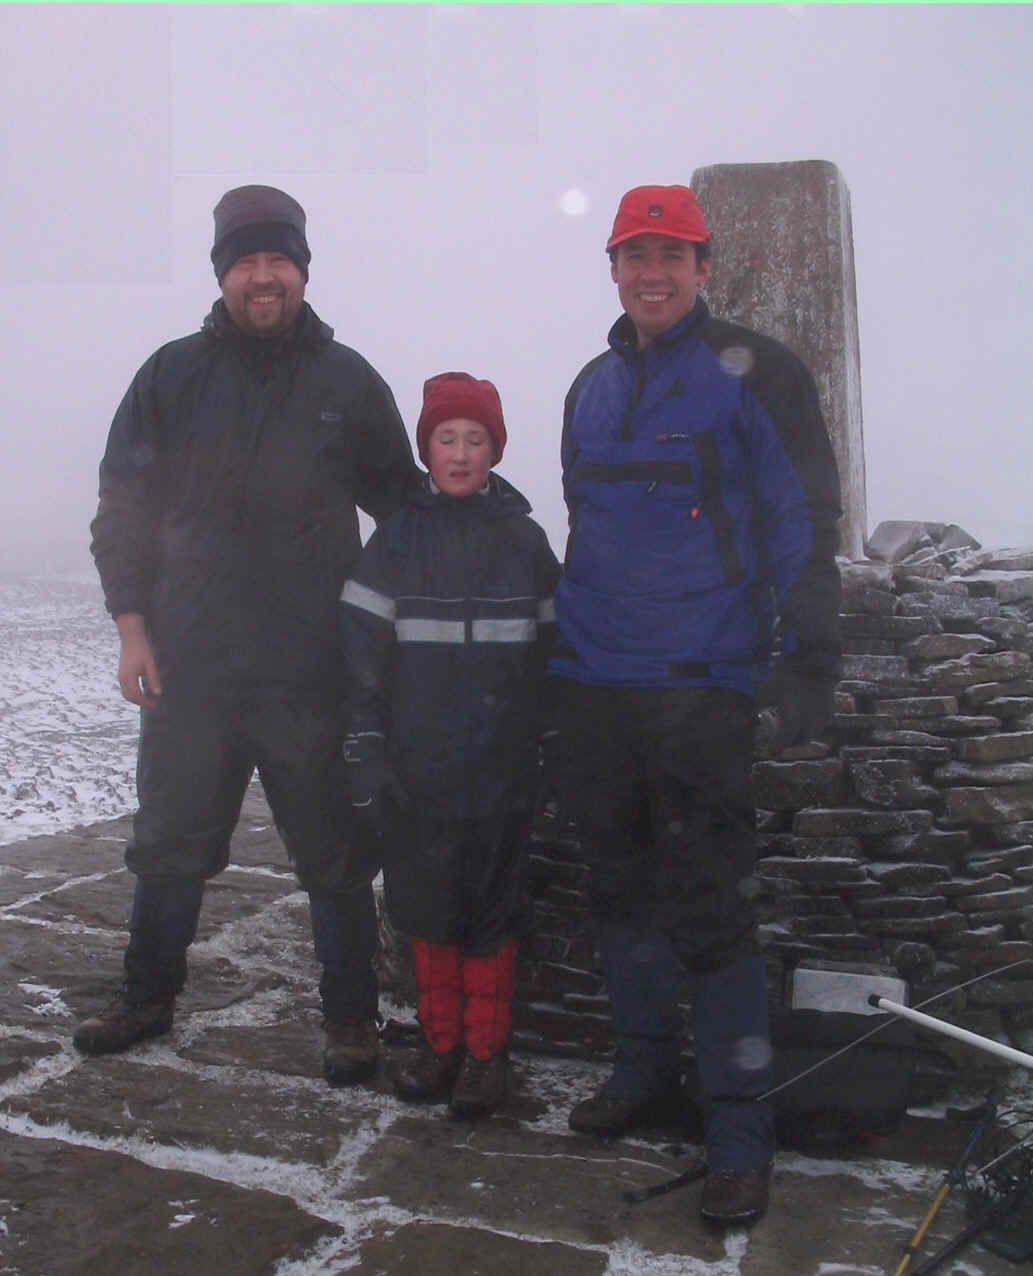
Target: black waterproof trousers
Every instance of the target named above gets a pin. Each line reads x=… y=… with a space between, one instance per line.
x=658 y=782
x=198 y=751
x=459 y=882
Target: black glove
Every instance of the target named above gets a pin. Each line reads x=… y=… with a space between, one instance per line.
x=371 y=779
x=551 y=799
x=804 y=704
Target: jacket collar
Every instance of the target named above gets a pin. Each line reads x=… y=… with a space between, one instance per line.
x=623 y=338
x=499 y=498
x=308 y=331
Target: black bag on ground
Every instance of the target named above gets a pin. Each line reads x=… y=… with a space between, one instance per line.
x=830 y=1100
x=847 y=1097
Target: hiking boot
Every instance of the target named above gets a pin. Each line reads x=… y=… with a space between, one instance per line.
x=350 y=1053
x=609 y=1117
x=734 y=1196
x=423 y=1074
x=480 y=1086
x=123 y=1023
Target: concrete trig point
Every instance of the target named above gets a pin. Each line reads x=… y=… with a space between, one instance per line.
x=784 y=264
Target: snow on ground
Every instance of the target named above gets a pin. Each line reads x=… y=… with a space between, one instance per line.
x=67 y=738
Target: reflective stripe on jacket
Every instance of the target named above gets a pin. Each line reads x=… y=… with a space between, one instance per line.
x=446 y=622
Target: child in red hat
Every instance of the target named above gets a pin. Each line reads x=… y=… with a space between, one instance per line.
x=446 y=623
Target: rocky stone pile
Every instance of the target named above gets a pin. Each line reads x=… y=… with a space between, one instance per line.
x=904 y=839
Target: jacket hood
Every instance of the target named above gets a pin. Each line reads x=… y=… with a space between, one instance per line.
x=500 y=499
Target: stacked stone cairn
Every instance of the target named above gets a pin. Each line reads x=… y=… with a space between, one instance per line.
x=901 y=843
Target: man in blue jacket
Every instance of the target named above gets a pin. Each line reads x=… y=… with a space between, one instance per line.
x=703 y=499
x=226 y=527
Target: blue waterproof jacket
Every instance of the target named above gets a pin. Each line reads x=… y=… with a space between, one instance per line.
x=703 y=497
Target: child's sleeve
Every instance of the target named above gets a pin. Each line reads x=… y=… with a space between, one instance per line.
x=366 y=622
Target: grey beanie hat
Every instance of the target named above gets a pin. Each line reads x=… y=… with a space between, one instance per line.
x=253 y=219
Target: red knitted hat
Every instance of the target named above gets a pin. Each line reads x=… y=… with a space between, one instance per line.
x=458 y=396
x=659 y=210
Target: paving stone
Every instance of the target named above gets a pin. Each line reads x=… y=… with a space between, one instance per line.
x=444 y=1249
x=79 y=854
x=19 y=1052
x=149 y=1094
x=73 y=1211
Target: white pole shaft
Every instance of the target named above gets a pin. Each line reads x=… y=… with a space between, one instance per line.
x=949 y=1030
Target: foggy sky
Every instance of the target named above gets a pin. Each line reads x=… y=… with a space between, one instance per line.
x=460 y=167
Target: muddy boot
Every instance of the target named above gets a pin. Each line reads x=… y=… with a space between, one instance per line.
x=162 y=927
x=480 y=1086
x=430 y=1071
x=423 y=1075
x=344 y=933
x=350 y=1053
x=487 y=1022
x=123 y=1023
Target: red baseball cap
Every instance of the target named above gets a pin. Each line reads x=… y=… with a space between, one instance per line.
x=658 y=210
x=457 y=395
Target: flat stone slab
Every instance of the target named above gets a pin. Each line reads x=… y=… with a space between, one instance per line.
x=67 y=1209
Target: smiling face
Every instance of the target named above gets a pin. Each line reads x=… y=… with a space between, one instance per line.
x=459 y=455
x=657 y=280
x=263 y=293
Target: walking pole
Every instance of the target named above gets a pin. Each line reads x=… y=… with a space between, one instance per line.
x=953 y=1176
x=951 y=1030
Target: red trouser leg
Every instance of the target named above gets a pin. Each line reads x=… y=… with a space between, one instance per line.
x=440 y=982
x=488 y=985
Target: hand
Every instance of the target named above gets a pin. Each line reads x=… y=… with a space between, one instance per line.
x=804 y=703
x=138 y=678
x=371 y=779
